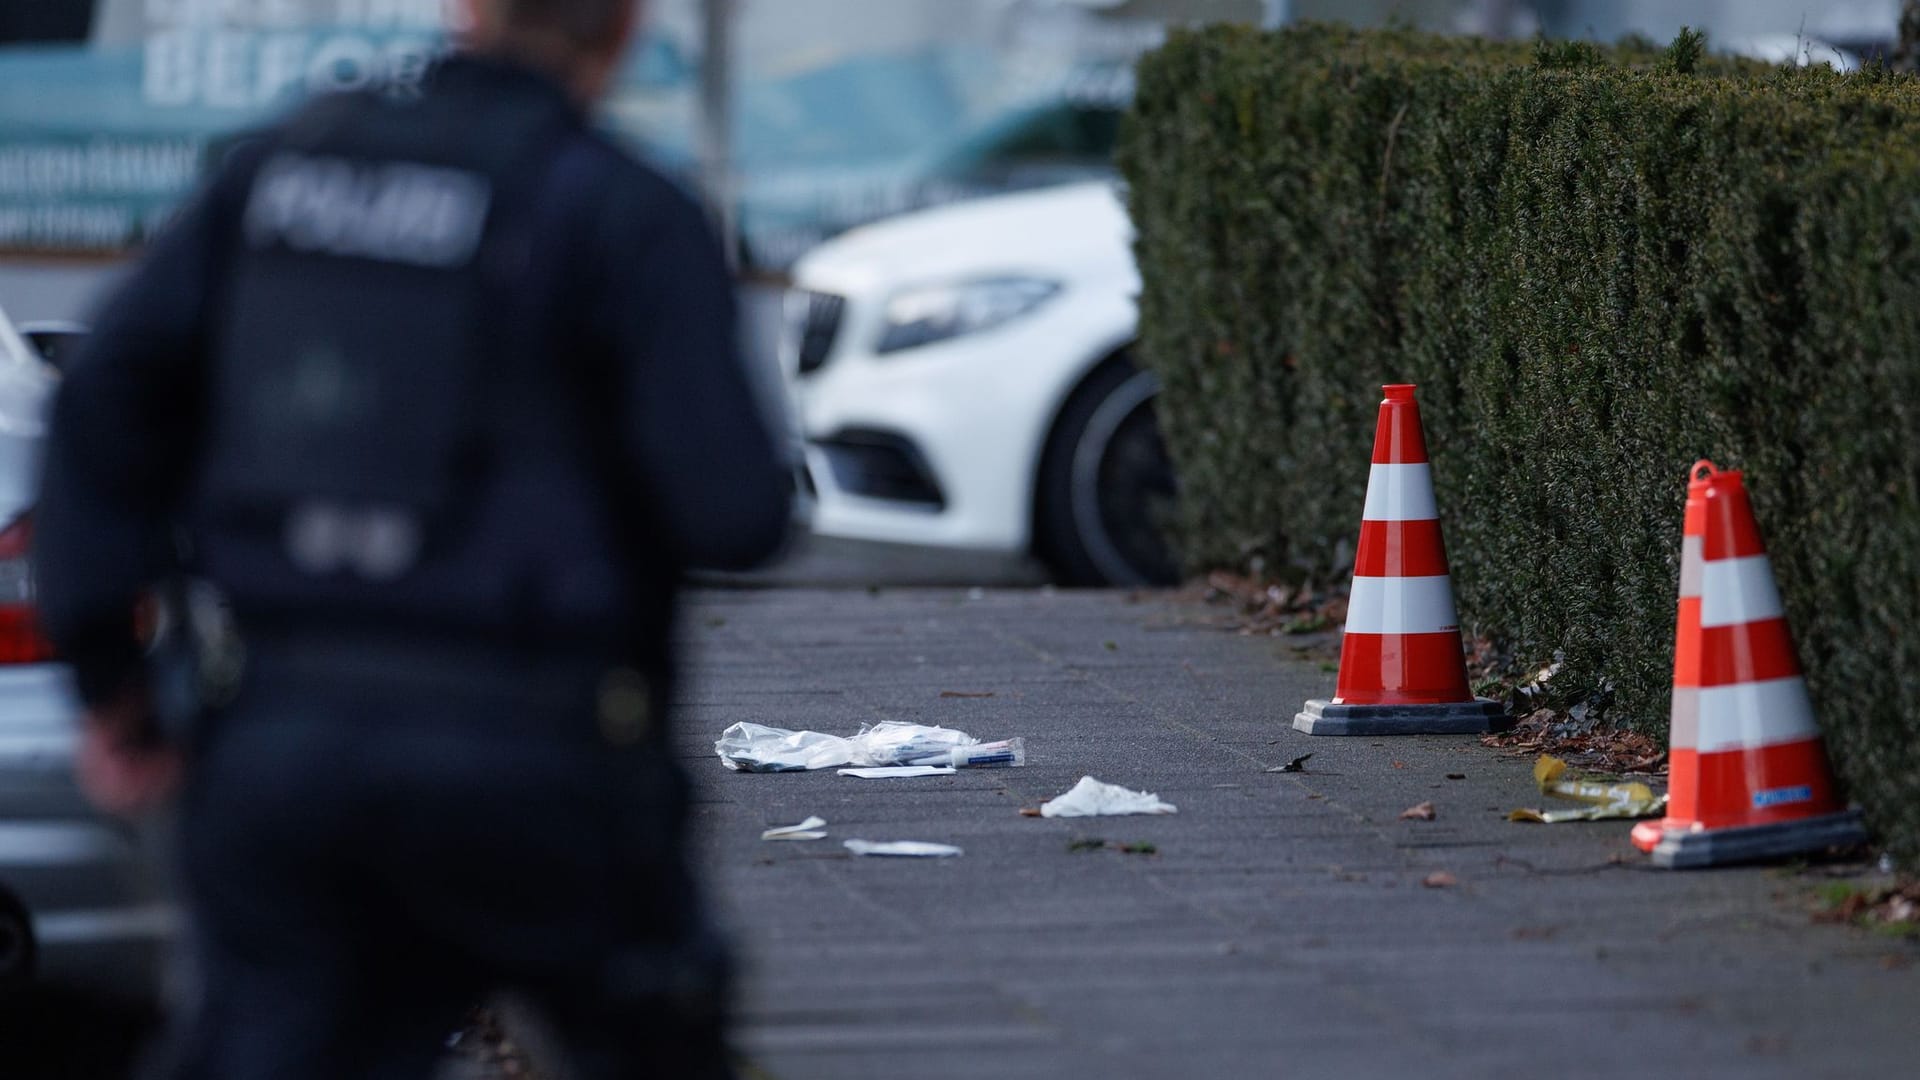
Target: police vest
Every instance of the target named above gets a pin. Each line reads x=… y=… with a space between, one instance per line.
x=393 y=431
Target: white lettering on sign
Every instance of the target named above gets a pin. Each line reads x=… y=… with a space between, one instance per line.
x=246 y=54
x=388 y=211
x=243 y=69
x=101 y=166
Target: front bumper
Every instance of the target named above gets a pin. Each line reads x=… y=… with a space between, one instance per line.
x=940 y=445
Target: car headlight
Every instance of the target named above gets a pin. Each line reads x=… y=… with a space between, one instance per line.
x=929 y=313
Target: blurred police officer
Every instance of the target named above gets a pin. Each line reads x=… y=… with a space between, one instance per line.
x=441 y=393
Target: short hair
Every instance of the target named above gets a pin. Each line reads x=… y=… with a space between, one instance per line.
x=579 y=23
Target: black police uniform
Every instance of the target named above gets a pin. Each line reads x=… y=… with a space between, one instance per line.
x=443 y=395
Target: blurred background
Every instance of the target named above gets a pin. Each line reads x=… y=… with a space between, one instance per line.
x=939 y=289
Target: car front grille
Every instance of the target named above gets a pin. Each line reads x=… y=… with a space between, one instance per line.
x=881 y=465
x=814 y=323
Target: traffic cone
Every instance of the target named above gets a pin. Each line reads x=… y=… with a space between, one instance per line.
x=1402 y=669
x=1749 y=776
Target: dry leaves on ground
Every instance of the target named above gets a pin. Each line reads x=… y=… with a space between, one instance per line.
x=1439 y=879
x=1422 y=812
x=1893 y=907
x=1270 y=609
x=1608 y=750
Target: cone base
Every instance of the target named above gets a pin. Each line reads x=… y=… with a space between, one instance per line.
x=1322 y=717
x=1680 y=849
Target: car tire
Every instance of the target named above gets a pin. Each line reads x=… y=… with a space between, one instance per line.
x=1106 y=483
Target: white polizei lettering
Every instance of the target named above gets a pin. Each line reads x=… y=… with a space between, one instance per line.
x=327 y=187
x=1683 y=722
x=456 y=213
x=1400 y=493
x=1754 y=714
x=1692 y=560
x=1735 y=591
x=1401 y=605
x=270 y=205
x=392 y=212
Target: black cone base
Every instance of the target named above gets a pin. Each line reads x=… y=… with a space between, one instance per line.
x=1320 y=717
x=1679 y=849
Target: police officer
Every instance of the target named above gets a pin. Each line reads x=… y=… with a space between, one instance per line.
x=440 y=392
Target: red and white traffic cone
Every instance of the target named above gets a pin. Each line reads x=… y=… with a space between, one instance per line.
x=1749 y=775
x=1402 y=668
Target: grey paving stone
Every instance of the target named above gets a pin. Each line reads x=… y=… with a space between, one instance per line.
x=1280 y=930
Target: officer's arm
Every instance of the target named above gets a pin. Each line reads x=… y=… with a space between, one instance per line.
x=705 y=458
x=119 y=449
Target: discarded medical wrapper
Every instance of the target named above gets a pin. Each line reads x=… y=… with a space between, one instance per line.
x=1008 y=752
x=749 y=747
x=893 y=742
x=1632 y=800
x=806 y=830
x=1091 y=798
x=888 y=772
x=910 y=848
x=759 y=748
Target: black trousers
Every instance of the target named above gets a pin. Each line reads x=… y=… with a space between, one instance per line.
x=367 y=856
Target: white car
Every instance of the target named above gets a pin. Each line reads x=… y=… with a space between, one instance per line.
x=960 y=379
x=81 y=907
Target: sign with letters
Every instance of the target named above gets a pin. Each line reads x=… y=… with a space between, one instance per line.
x=100 y=137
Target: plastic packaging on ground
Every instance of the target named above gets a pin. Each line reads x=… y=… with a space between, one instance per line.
x=891 y=772
x=910 y=848
x=809 y=829
x=1604 y=801
x=758 y=748
x=1006 y=752
x=894 y=742
x=747 y=747
x=1092 y=798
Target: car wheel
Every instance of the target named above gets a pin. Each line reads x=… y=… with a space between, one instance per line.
x=1106 y=484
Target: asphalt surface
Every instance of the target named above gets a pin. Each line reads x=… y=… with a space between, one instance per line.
x=1280 y=928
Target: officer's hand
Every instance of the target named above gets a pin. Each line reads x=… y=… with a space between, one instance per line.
x=122 y=768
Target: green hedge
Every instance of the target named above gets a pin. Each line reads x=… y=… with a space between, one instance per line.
x=1599 y=265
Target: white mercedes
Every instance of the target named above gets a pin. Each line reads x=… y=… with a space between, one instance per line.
x=961 y=378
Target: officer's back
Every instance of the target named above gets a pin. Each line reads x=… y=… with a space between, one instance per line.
x=442 y=394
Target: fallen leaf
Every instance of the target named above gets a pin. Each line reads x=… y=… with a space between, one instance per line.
x=1399 y=764
x=1139 y=847
x=1422 y=812
x=966 y=693
x=1086 y=843
x=1439 y=879
x=1456 y=776
x=1298 y=764
x=1112 y=646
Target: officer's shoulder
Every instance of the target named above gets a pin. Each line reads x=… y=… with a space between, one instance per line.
x=244 y=149
x=637 y=185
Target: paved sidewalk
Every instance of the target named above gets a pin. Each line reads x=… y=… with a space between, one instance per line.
x=1282 y=928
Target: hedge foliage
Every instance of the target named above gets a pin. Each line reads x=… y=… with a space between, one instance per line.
x=1599 y=265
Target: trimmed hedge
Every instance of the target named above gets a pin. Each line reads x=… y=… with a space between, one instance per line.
x=1599 y=265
